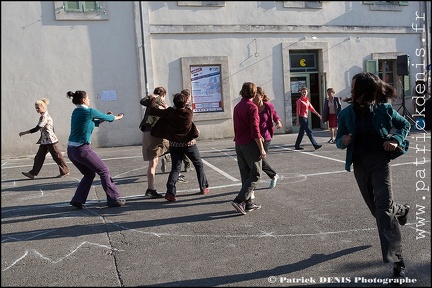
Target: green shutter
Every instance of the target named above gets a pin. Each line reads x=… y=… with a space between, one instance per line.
x=407 y=87
x=403 y=3
x=91 y=6
x=372 y=66
x=81 y=6
x=368 y=2
x=71 y=6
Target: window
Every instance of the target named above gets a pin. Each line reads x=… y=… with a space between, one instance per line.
x=202 y=3
x=385 y=66
x=81 y=10
x=303 y=61
x=387 y=71
x=303 y=4
x=385 y=5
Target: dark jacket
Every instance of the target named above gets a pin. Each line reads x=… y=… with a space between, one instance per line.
x=385 y=119
x=337 y=105
x=149 y=121
x=174 y=124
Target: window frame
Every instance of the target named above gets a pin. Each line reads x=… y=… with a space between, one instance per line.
x=62 y=15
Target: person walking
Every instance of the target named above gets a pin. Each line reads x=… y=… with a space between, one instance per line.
x=249 y=148
x=364 y=128
x=332 y=107
x=302 y=110
x=83 y=121
x=268 y=116
x=153 y=147
x=176 y=125
x=48 y=142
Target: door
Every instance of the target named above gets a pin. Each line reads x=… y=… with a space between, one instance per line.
x=298 y=81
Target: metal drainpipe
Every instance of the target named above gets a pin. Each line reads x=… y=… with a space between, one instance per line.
x=143 y=48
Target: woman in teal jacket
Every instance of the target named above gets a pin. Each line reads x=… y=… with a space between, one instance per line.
x=364 y=130
x=83 y=121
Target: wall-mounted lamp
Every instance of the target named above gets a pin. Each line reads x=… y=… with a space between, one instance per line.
x=314 y=37
x=358 y=38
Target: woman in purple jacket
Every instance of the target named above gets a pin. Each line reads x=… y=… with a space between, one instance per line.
x=267 y=115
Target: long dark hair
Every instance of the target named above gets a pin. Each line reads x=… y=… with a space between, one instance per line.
x=367 y=89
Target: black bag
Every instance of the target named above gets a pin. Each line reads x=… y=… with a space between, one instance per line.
x=400 y=150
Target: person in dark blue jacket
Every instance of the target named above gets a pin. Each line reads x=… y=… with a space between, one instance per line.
x=364 y=130
x=332 y=107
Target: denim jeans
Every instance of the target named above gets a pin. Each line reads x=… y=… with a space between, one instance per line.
x=89 y=163
x=304 y=127
x=177 y=154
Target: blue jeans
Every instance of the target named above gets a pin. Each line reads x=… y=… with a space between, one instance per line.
x=177 y=154
x=250 y=165
x=89 y=163
x=304 y=127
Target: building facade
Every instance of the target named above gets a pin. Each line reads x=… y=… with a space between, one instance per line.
x=120 y=51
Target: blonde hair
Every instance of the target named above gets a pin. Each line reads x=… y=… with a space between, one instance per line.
x=42 y=102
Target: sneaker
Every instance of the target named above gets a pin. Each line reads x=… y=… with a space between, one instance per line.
x=404 y=218
x=330 y=141
x=164 y=164
x=205 y=191
x=117 y=203
x=182 y=179
x=317 y=146
x=240 y=207
x=188 y=168
x=153 y=194
x=29 y=175
x=274 y=181
x=76 y=204
x=299 y=148
x=252 y=207
x=399 y=270
x=333 y=142
x=62 y=175
x=170 y=198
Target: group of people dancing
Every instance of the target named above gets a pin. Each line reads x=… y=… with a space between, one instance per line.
x=362 y=128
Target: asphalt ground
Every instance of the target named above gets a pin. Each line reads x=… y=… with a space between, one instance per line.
x=313 y=229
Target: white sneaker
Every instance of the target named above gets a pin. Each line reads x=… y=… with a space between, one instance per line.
x=274 y=181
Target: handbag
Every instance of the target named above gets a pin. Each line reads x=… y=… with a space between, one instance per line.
x=400 y=150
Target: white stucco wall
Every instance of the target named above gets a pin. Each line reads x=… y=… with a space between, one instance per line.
x=252 y=34
x=43 y=57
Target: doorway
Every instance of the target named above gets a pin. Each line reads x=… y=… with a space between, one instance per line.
x=311 y=81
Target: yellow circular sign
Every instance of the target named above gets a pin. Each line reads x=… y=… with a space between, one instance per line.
x=303 y=62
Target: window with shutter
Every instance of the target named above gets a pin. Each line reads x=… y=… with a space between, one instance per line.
x=81 y=10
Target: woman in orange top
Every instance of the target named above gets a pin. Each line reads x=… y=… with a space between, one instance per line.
x=302 y=111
